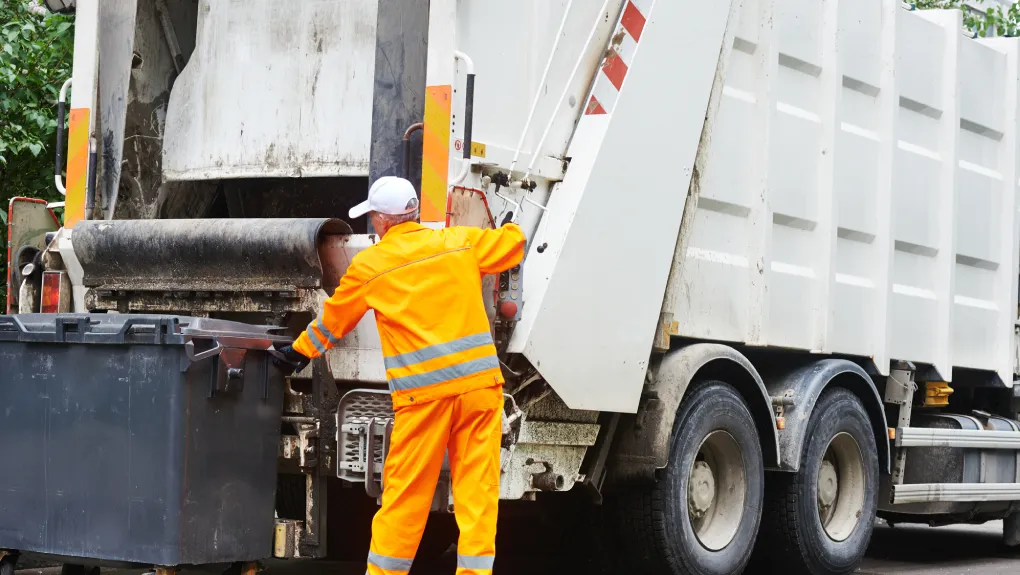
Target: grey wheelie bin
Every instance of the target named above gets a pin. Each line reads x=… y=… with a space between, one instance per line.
x=141 y=439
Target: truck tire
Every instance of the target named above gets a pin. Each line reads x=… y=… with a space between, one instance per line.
x=701 y=516
x=1011 y=530
x=819 y=520
x=8 y=564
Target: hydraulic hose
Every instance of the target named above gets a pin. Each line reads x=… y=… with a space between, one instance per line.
x=406 y=141
x=58 y=163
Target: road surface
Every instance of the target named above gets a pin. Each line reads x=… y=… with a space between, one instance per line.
x=903 y=550
x=955 y=550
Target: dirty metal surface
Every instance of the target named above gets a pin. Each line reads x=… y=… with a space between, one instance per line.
x=134 y=94
x=227 y=255
x=402 y=28
x=531 y=461
x=295 y=99
x=468 y=207
x=356 y=411
x=126 y=301
x=558 y=433
x=116 y=43
x=336 y=251
x=358 y=356
x=28 y=222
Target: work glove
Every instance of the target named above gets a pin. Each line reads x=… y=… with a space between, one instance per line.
x=289 y=361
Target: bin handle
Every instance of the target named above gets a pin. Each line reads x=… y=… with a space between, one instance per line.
x=160 y=327
x=189 y=350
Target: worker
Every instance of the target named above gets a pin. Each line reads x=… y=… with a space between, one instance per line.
x=444 y=377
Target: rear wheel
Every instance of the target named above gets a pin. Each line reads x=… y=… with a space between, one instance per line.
x=1011 y=530
x=702 y=516
x=819 y=520
x=7 y=564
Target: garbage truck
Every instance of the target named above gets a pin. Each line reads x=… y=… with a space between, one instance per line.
x=770 y=291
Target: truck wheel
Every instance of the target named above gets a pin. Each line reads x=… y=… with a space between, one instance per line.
x=1011 y=530
x=702 y=515
x=819 y=520
x=7 y=564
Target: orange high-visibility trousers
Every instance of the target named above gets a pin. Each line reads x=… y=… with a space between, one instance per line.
x=469 y=426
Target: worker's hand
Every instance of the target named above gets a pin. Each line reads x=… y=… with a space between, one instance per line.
x=289 y=361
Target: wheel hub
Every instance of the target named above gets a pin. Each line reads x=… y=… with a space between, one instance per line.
x=841 y=487
x=702 y=489
x=716 y=484
x=828 y=484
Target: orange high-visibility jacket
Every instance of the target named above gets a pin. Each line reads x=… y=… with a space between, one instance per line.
x=425 y=286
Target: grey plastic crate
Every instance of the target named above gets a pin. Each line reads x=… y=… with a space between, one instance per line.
x=146 y=439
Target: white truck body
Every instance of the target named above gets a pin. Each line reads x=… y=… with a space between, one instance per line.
x=310 y=63
x=857 y=195
x=767 y=205
x=855 y=192
x=860 y=191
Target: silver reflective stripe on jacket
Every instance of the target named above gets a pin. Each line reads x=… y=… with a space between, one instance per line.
x=439 y=350
x=317 y=324
x=444 y=374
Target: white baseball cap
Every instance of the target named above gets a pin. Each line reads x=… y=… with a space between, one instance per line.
x=388 y=195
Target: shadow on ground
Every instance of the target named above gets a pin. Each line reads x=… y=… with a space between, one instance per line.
x=903 y=550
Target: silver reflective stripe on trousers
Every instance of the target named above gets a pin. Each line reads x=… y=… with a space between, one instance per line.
x=445 y=374
x=475 y=561
x=438 y=350
x=389 y=563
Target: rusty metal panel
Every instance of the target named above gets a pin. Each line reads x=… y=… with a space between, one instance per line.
x=469 y=207
x=28 y=221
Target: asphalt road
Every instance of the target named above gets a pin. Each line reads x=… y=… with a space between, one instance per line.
x=956 y=550
x=903 y=550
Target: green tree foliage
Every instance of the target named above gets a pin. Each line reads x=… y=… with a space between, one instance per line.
x=35 y=59
x=989 y=19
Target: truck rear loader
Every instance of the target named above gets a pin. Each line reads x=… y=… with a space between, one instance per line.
x=771 y=283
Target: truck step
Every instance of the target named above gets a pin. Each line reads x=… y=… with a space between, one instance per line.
x=363 y=420
x=964 y=438
x=960 y=492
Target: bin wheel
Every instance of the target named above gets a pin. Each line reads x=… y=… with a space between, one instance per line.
x=73 y=569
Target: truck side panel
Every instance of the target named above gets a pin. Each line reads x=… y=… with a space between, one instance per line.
x=612 y=225
x=948 y=199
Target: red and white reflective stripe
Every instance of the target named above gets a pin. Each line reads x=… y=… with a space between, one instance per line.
x=618 y=57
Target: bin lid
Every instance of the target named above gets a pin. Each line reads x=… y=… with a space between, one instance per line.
x=114 y=329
